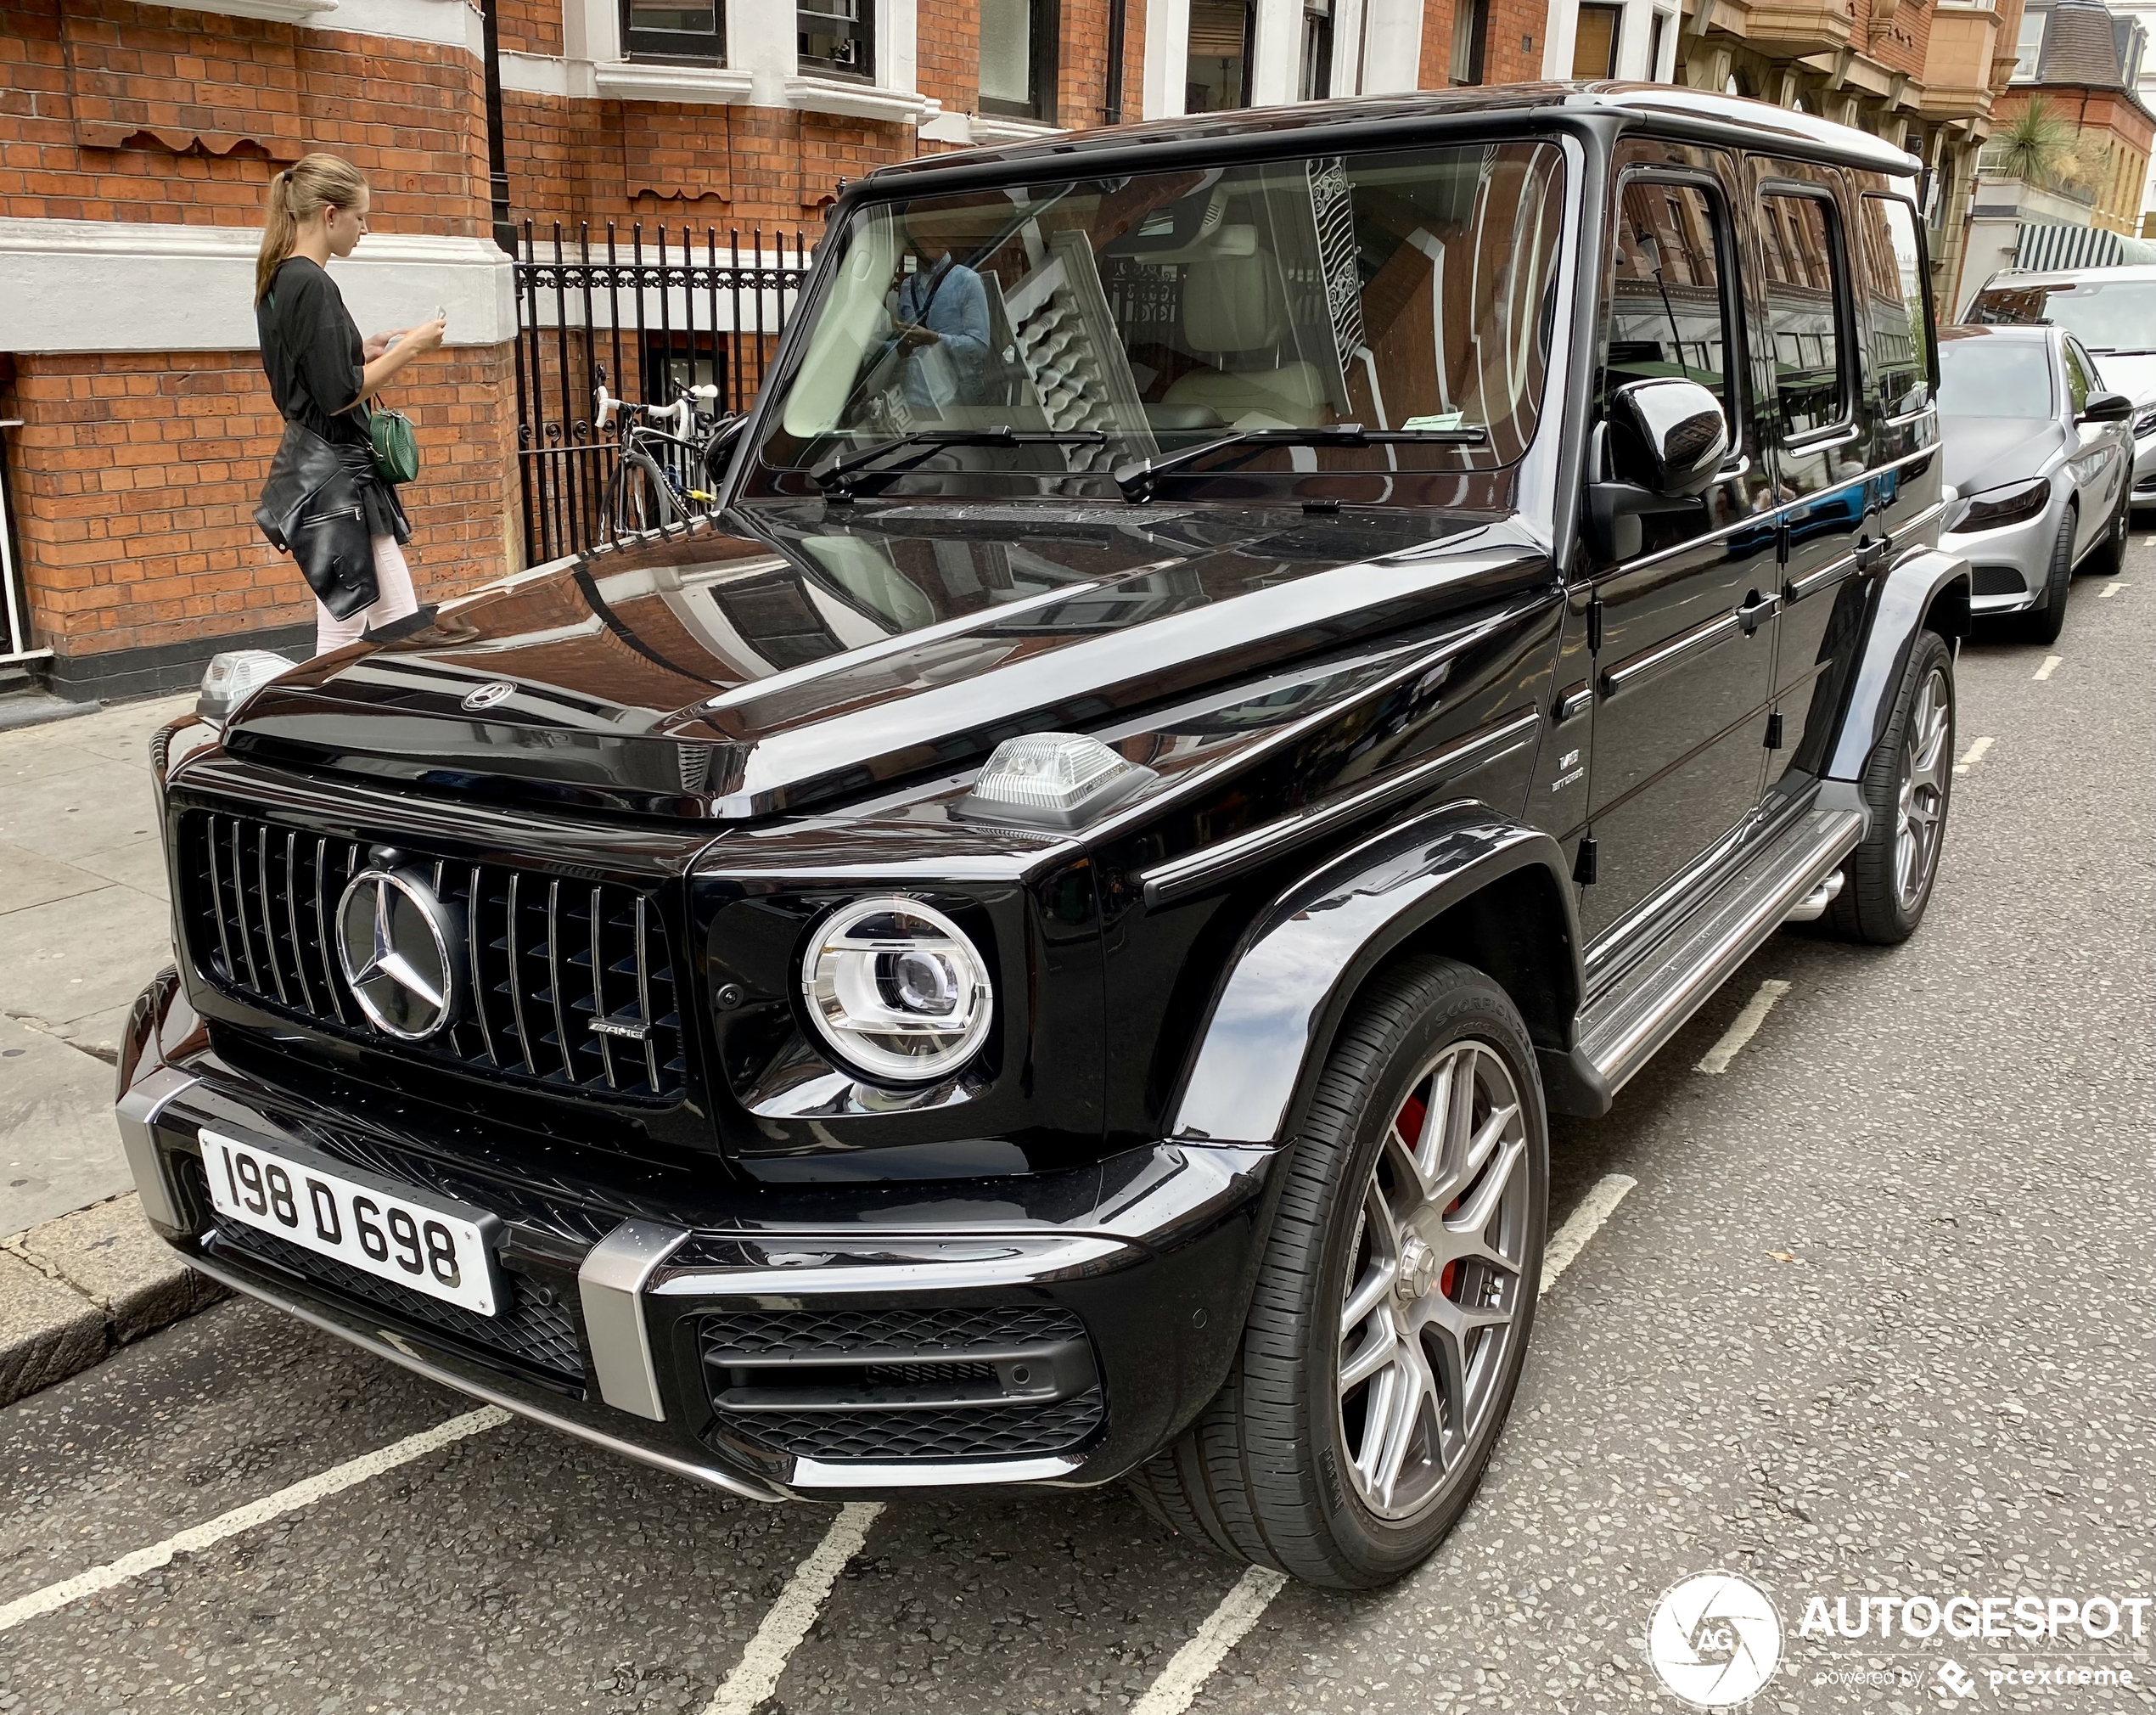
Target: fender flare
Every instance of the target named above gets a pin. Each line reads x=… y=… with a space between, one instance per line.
x=1911 y=592
x=1295 y=973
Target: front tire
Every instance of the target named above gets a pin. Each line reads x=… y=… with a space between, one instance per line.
x=2108 y=557
x=2043 y=625
x=1906 y=785
x=1393 y=1303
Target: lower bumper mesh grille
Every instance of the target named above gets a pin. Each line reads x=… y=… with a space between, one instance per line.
x=1997 y=580
x=878 y=1373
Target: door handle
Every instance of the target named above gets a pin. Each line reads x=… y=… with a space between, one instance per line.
x=1758 y=611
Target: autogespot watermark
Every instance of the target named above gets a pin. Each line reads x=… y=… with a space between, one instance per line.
x=1716 y=1641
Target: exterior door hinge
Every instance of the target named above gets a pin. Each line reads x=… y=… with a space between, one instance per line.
x=1584 y=865
x=1594 y=625
x=1774 y=730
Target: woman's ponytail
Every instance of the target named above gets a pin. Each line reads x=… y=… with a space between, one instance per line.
x=310 y=183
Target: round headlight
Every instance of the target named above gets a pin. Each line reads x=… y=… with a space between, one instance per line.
x=897 y=989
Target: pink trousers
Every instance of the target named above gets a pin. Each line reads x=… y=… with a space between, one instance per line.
x=393 y=600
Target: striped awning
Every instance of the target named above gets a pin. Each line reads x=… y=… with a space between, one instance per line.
x=2040 y=248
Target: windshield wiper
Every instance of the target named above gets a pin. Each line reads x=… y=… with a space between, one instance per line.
x=841 y=476
x=1136 y=478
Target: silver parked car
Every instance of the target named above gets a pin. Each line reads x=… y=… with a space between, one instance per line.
x=2039 y=452
x=2112 y=311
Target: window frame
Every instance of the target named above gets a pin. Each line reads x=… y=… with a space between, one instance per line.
x=1917 y=226
x=1470 y=43
x=863 y=32
x=643 y=44
x=1044 y=19
x=1847 y=384
x=1729 y=272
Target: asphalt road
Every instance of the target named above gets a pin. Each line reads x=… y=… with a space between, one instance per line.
x=1876 y=1321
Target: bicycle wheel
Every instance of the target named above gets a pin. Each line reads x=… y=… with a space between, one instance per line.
x=637 y=498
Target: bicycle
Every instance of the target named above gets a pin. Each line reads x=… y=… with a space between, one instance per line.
x=662 y=456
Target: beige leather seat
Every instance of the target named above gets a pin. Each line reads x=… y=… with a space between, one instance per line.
x=1231 y=309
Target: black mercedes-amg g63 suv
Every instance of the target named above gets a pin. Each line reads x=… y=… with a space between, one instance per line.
x=1241 y=663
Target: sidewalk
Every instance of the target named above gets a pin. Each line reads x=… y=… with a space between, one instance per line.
x=84 y=923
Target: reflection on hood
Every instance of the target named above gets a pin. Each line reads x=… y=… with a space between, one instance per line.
x=1986 y=452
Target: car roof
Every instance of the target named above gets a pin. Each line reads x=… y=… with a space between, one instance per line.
x=2142 y=272
x=2026 y=332
x=1649 y=106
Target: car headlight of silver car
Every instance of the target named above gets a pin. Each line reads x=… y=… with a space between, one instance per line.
x=2145 y=421
x=897 y=989
x=2013 y=503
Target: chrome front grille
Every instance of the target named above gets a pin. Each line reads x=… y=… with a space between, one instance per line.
x=545 y=957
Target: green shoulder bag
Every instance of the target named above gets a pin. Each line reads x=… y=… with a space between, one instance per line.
x=396 y=449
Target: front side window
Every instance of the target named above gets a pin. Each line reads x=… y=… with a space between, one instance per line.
x=1798 y=238
x=674 y=31
x=1991 y=377
x=1895 y=289
x=1220 y=55
x=1018 y=40
x=1410 y=294
x=2081 y=378
x=837 y=37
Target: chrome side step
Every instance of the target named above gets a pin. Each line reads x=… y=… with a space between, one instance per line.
x=1620 y=1032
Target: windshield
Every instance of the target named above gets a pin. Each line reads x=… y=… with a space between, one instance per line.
x=2104 y=316
x=1127 y=318
x=1994 y=378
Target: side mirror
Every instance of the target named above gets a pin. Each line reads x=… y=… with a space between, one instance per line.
x=1664 y=440
x=2107 y=407
x=1666 y=436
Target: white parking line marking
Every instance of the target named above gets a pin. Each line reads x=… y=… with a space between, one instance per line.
x=1976 y=753
x=1191 y=1666
x=2051 y=664
x=1582 y=1224
x=2111 y=589
x=1716 y=1059
x=198 y=1537
x=756 y=1675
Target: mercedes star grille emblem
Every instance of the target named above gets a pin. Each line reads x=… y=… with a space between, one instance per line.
x=486 y=696
x=395 y=941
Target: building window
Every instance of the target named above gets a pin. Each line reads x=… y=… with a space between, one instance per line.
x=2030 y=47
x=1018 y=62
x=1220 y=55
x=837 y=37
x=1315 y=82
x=674 y=31
x=1594 y=41
x=1470 y=29
x=1658 y=33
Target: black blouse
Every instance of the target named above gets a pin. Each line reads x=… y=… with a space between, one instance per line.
x=311 y=352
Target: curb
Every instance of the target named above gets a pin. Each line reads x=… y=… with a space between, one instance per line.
x=77 y=1287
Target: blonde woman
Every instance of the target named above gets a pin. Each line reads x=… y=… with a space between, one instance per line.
x=324 y=503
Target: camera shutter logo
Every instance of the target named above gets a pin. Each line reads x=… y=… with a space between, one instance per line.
x=396 y=942
x=487 y=695
x=1716 y=1639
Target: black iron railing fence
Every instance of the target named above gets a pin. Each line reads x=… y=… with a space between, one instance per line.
x=644 y=312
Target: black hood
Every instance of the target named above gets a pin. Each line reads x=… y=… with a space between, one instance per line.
x=1984 y=451
x=802 y=656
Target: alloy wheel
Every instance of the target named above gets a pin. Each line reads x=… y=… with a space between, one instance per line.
x=1921 y=806
x=1436 y=1281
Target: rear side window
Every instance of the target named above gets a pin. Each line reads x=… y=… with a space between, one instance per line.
x=1894 y=293
x=1804 y=298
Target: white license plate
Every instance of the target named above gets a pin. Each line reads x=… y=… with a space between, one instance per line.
x=440 y=1253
